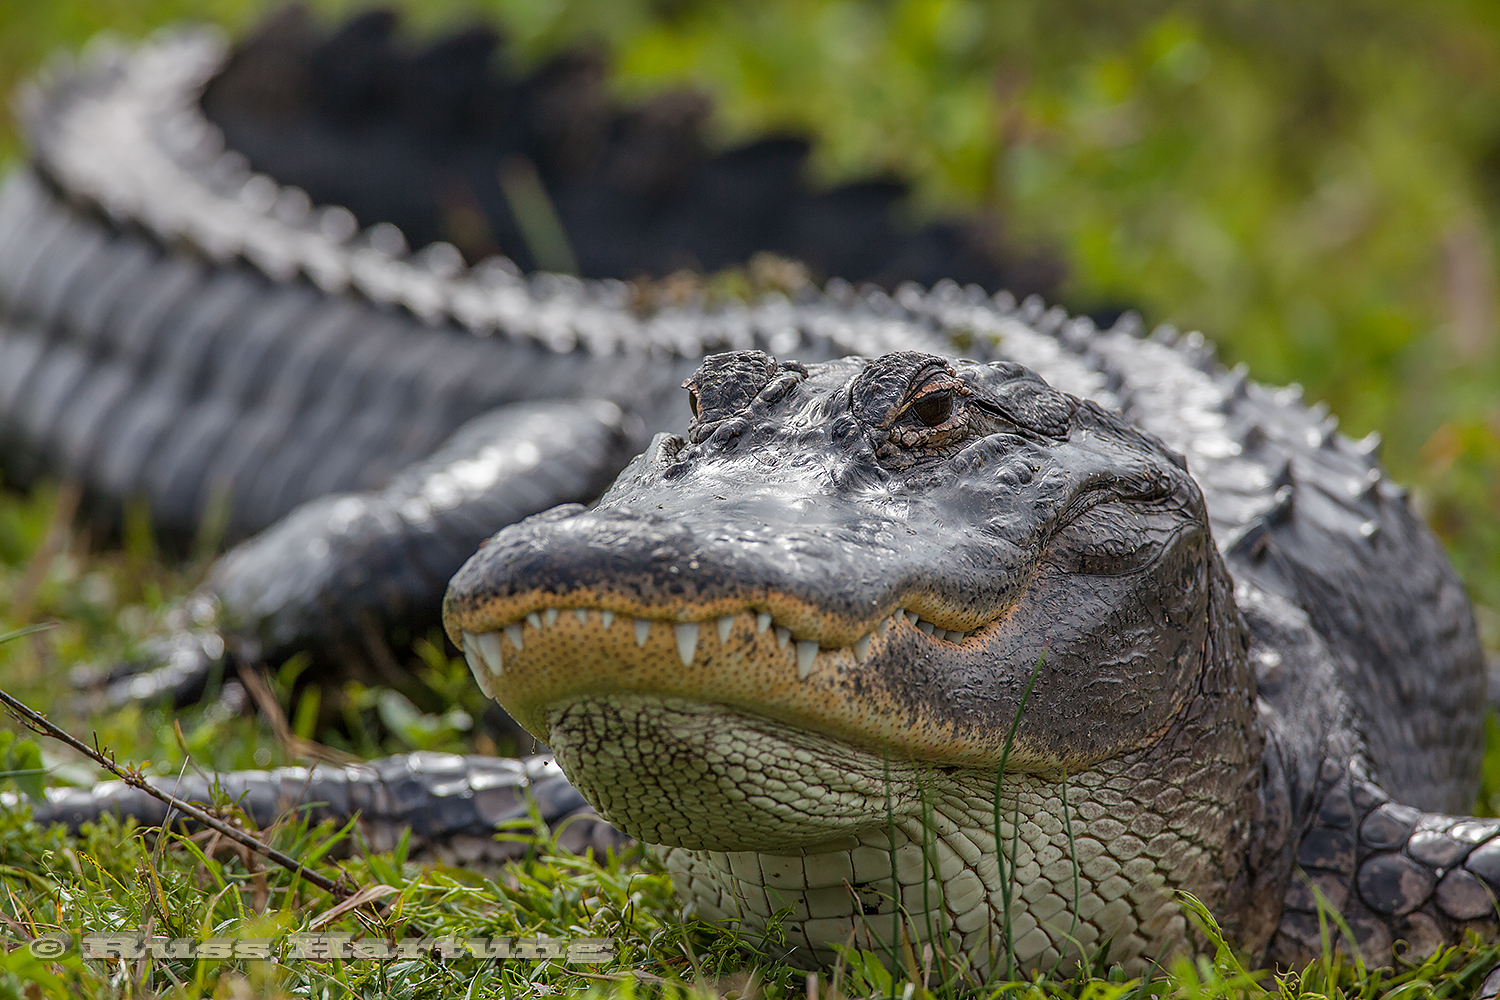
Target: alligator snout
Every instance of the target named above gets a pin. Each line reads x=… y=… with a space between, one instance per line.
x=830 y=582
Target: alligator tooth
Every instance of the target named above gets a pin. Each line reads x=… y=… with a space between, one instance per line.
x=471 y=654
x=489 y=648
x=726 y=625
x=550 y=617
x=642 y=629
x=606 y=618
x=513 y=633
x=926 y=626
x=762 y=621
x=687 y=642
x=807 y=652
x=582 y=616
x=862 y=648
x=911 y=616
x=534 y=620
x=783 y=636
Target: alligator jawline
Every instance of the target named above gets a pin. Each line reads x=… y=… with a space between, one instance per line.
x=551 y=656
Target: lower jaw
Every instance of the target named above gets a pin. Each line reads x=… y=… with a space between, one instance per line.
x=673 y=772
x=865 y=897
x=755 y=820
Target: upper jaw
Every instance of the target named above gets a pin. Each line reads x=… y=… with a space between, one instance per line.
x=698 y=557
x=900 y=687
x=746 y=659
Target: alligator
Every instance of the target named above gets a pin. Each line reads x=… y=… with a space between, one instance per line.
x=931 y=617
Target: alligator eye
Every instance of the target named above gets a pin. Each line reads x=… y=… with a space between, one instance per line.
x=693 y=403
x=934 y=409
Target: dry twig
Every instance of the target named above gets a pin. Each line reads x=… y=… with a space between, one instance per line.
x=39 y=723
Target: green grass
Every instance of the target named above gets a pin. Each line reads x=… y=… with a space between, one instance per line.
x=1314 y=184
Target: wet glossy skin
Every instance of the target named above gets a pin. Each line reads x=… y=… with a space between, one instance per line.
x=1014 y=517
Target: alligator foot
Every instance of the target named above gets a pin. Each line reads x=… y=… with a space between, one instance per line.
x=1392 y=874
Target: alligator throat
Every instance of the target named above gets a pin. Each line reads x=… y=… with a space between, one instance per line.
x=753 y=818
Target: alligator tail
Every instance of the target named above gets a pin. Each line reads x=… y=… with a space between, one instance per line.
x=452 y=804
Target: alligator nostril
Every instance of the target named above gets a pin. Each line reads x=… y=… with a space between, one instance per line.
x=843 y=427
x=727 y=431
x=664 y=448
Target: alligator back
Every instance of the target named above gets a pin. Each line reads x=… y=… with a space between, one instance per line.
x=1303 y=512
x=154 y=345
x=142 y=372
x=175 y=328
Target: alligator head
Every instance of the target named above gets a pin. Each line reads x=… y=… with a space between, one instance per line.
x=871 y=619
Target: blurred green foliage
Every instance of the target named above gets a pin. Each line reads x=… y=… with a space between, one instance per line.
x=1314 y=184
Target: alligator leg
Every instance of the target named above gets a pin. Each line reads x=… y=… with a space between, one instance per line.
x=451 y=803
x=1393 y=873
x=340 y=568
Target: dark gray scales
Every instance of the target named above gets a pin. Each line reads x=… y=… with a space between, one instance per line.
x=180 y=331
x=451 y=804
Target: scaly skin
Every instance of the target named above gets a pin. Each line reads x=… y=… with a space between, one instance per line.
x=1248 y=649
x=450 y=805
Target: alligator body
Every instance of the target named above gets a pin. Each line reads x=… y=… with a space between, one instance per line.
x=1007 y=647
